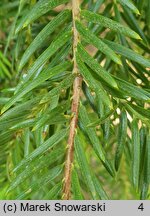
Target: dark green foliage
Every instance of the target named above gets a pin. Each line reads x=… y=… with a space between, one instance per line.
x=112 y=135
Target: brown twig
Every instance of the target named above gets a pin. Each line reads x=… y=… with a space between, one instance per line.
x=74 y=108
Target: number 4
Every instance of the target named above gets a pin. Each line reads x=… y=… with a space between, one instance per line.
x=141 y=207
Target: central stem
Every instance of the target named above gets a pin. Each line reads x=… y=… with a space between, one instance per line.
x=74 y=108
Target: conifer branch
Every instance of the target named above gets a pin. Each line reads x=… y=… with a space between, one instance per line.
x=74 y=108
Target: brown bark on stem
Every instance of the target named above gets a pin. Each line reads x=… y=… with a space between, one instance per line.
x=74 y=108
